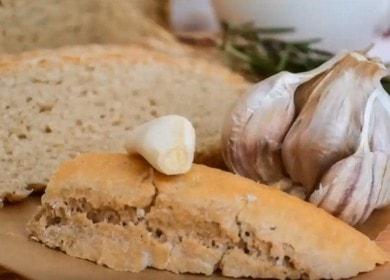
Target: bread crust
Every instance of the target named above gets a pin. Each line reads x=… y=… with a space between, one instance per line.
x=200 y=221
x=129 y=54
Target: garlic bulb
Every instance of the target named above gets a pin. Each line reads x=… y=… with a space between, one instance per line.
x=358 y=184
x=254 y=130
x=297 y=131
x=327 y=128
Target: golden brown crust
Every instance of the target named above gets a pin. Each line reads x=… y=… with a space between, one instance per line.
x=90 y=173
x=277 y=217
x=227 y=205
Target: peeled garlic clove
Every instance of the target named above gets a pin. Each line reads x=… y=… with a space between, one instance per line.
x=355 y=186
x=254 y=130
x=327 y=128
x=167 y=143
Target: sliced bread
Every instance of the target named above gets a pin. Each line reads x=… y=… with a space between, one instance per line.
x=116 y=210
x=27 y=25
x=58 y=103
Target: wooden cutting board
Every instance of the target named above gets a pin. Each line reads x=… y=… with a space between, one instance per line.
x=32 y=260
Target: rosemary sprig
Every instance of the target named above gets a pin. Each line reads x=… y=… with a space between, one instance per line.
x=263 y=55
x=254 y=51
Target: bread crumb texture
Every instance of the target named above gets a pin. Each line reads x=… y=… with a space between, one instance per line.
x=56 y=104
x=117 y=211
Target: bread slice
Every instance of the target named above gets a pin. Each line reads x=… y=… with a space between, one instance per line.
x=27 y=25
x=115 y=210
x=56 y=104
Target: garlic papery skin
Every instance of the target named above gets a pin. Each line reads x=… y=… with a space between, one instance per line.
x=328 y=126
x=167 y=143
x=255 y=128
x=353 y=187
x=380 y=127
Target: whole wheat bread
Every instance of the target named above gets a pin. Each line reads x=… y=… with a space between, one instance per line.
x=117 y=211
x=33 y=24
x=55 y=104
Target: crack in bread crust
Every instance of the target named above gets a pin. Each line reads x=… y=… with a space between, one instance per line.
x=202 y=238
x=114 y=210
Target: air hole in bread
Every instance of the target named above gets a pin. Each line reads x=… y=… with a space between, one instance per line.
x=22 y=136
x=152 y=102
x=44 y=108
x=53 y=221
x=154 y=113
x=158 y=233
x=29 y=99
x=47 y=129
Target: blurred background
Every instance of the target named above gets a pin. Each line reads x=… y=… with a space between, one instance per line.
x=257 y=37
x=336 y=24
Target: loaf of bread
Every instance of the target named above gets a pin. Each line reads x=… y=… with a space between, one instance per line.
x=58 y=103
x=27 y=25
x=115 y=210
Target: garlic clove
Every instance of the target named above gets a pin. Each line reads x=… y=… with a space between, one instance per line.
x=327 y=128
x=355 y=186
x=380 y=128
x=253 y=132
x=167 y=143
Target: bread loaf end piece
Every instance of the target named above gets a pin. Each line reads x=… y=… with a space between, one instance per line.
x=116 y=210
